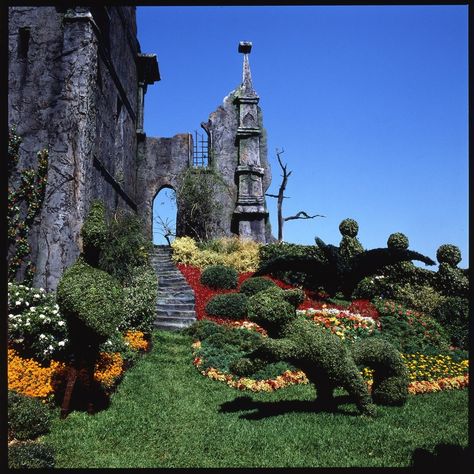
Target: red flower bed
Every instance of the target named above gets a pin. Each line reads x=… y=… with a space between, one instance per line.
x=364 y=308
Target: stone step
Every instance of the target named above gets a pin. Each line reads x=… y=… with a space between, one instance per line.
x=167 y=283
x=172 y=313
x=182 y=296
x=169 y=300
x=172 y=326
x=166 y=306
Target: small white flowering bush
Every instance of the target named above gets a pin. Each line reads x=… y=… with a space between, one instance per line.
x=35 y=326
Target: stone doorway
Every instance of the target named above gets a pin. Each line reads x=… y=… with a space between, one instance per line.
x=164 y=214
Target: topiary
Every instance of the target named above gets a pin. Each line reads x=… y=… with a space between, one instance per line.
x=140 y=299
x=449 y=254
x=453 y=315
x=219 y=277
x=127 y=247
x=92 y=302
x=390 y=379
x=30 y=455
x=230 y=305
x=94 y=232
x=251 y=286
x=202 y=329
x=397 y=241
x=349 y=245
x=28 y=418
x=349 y=227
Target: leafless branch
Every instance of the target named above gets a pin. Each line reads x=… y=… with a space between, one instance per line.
x=302 y=215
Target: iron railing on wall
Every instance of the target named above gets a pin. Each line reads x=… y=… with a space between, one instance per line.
x=200 y=150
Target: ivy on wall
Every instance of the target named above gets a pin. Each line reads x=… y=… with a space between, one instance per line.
x=24 y=203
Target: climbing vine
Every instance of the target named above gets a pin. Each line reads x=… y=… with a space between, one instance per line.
x=24 y=203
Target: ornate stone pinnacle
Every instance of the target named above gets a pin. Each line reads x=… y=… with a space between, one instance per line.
x=245 y=47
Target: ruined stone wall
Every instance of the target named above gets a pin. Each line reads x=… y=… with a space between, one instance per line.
x=162 y=163
x=73 y=90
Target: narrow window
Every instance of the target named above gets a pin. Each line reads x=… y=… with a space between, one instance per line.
x=23 y=42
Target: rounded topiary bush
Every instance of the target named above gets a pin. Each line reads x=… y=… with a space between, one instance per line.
x=219 y=277
x=449 y=254
x=92 y=302
x=28 y=418
x=349 y=227
x=397 y=241
x=30 y=455
x=251 y=286
x=231 y=306
x=94 y=232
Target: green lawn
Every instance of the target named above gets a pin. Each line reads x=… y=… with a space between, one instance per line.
x=165 y=414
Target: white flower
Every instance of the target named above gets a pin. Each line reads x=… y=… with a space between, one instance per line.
x=61 y=323
x=18 y=303
x=56 y=306
x=47 y=320
x=32 y=309
x=11 y=316
x=42 y=316
x=42 y=336
x=27 y=304
x=50 y=347
x=61 y=343
x=55 y=311
x=41 y=290
x=36 y=296
x=27 y=323
x=16 y=294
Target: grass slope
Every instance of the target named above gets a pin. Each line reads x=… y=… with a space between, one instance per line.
x=165 y=414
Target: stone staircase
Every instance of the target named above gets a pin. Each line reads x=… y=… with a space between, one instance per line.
x=175 y=302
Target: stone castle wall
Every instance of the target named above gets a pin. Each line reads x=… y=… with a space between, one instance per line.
x=73 y=90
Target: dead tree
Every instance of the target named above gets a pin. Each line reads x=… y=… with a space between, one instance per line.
x=281 y=195
x=165 y=228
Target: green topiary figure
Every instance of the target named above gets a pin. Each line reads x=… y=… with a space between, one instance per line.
x=94 y=233
x=323 y=357
x=450 y=280
x=349 y=245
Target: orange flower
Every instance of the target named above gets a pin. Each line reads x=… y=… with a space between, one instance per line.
x=136 y=340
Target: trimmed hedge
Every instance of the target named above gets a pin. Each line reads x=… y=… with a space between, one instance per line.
x=251 y=286
x=91 y=300
x=30 y=455
x=28 y=418
x=219 y=277
x=229 y=305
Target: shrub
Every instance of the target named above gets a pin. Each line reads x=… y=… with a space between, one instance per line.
x=453 y=315
x=30 y=455
x=449 y=254
x=94 y=232
x=231 y=305
x=349 y=227
x=127 y=247
x=219 y=277
x=92 y=302
x=140 y=300
x=349 y=245
x=419 y=298
x=36 y=328
x=451 y=281
x=202 y=329
x=251 y=286
x=240 y=254
x=28 y=418
x=397 y=241
x=390 y=380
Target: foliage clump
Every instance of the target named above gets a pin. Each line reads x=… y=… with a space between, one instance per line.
x=219 y=277
x=94 y=232
x=230 y=305
x=241 y=254
x=397 y=240
x=450 y=280
x=449 y=254
x=349 y=245
x=127 y=246
x=453 y=315
x=28 y=418
x=92 y=302
x=251 y=286
x=30 y=455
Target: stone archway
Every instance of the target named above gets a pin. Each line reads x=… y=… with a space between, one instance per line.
x=164 y=216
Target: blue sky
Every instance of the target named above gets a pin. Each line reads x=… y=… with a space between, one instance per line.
x=370 y=104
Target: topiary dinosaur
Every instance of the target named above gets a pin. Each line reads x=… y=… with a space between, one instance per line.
x=322 y=356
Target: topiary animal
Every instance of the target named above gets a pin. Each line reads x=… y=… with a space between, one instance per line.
x=322 y=356
x=339 y=272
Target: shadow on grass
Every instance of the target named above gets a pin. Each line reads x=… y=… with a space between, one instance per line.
x=260 y=410
x=445 y=458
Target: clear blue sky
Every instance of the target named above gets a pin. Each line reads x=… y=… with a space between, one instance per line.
x=370 y=104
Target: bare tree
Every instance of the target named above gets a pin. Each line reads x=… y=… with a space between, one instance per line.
x=166 y=228
x=281 y=195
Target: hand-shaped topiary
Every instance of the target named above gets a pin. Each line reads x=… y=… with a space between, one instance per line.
x=323 y=357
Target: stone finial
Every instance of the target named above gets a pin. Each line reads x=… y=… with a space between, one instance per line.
x=245 y=47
